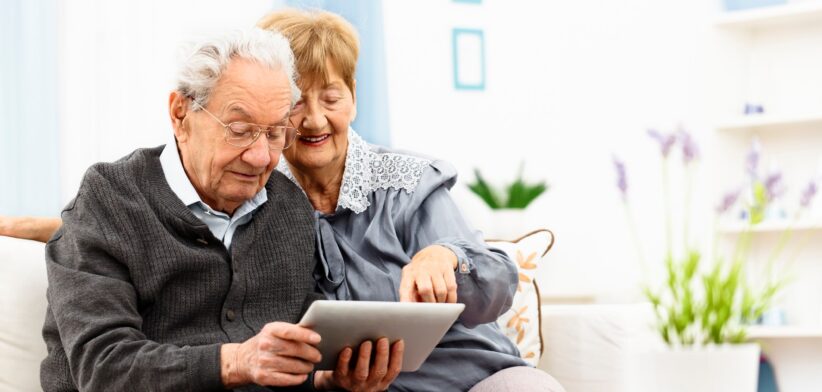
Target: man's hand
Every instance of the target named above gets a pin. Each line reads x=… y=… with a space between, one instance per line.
x=364 y=376
x=429 y=277
x=281 y=354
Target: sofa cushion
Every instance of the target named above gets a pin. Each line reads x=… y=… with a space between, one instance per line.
x=23 y=307
x=522 y=323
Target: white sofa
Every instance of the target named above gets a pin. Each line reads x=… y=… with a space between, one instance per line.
x=583 y=344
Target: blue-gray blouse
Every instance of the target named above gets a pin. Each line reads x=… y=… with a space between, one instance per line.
x=391 y=206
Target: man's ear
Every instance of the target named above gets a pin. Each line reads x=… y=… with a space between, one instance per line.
x=177 y=110
x=354 y=98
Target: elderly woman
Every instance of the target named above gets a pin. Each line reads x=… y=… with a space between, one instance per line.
x=387 y=228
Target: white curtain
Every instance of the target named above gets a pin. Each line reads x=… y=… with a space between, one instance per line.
x=29 y=136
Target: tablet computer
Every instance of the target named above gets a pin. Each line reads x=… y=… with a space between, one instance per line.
x=348 y=323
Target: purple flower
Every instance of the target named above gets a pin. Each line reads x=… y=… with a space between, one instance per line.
x=690 y=150
x=752 y=160
x=622 y=180
x=728 y=200
x=666 y=141
x=808 y=194
x=773 y=185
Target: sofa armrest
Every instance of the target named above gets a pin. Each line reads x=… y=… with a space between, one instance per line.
x=23 y=307
x=589 y=347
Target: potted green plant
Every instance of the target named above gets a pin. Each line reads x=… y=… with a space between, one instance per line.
x=703 y=307
x=507 y=203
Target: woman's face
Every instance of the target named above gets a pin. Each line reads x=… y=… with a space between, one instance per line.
x=322 y=115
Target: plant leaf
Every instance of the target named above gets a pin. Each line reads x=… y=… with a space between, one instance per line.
x=484 y=190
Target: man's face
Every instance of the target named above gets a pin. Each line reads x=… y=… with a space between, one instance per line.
x=225 y=176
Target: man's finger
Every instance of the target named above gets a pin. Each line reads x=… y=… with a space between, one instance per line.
x=294 y=332
x=295 y=349
x=284 y=364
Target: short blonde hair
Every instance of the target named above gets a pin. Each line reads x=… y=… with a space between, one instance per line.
x=317 y=37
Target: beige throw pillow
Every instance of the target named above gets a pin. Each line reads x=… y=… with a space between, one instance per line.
x=522 y=323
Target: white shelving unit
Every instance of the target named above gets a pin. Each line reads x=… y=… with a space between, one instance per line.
x=771 y=227
x=771 y=56
x=767 y=332
x=771 y=123
x=795 y=353
x=774 y=16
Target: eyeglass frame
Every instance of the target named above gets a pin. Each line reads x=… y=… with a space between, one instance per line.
x=256 y=134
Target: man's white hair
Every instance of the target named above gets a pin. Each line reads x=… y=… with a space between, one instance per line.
x=201 y=70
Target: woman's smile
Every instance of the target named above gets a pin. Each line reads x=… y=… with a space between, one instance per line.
x=314 y=141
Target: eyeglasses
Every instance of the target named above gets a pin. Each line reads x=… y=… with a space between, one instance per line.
x=243 y=134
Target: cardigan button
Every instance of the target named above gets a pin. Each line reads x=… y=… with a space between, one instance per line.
x=229 y=315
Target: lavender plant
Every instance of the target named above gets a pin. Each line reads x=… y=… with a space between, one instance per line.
x=707 y=302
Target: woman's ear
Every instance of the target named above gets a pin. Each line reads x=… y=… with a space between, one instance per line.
x=177 y=110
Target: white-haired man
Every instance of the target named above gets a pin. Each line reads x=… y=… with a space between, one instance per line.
x=186 y=268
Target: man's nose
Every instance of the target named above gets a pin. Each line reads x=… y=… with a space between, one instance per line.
x=258 y=154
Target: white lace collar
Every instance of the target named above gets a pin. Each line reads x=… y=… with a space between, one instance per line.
x=367 y=170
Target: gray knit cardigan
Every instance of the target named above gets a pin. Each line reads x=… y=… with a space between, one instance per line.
x=141 y=294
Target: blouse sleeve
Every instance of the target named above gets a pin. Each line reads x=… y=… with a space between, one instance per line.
x=486 y=277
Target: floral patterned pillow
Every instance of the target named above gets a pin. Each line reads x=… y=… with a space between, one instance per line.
x=522 y=323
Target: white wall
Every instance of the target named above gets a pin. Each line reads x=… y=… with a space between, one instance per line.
x=569 y=84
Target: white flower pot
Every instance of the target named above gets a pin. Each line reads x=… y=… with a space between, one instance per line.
x=507 y=224
x=732 y=367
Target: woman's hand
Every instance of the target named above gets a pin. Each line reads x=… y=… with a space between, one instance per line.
x=29 y=228
x=364 y=376
x=429 y=277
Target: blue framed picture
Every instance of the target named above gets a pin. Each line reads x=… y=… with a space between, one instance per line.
x=469 y=59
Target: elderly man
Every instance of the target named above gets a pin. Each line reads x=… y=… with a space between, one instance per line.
x=185 y=268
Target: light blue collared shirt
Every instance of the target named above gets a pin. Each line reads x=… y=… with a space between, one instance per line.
x=220 y=224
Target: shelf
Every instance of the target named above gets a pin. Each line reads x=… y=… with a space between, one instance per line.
x=768 y=122
x=773 y=16
x=758 y=332
x=770 y=227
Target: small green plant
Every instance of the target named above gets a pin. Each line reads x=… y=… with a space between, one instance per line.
x=713 y=307
x=517 y=195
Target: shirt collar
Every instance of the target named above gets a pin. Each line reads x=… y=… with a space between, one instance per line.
x=176 y=176
x=177 y=179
